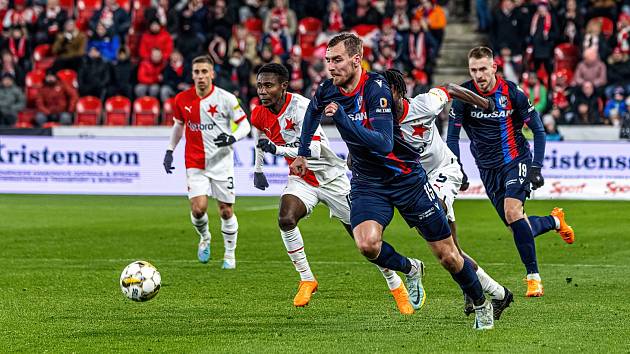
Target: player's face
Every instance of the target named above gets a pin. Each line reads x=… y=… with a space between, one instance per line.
x=482 y=71
x=269 y=89
x=202 y=74
x=341 y=66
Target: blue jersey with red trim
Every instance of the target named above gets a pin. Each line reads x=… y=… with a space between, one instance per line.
x=366 y=124
x=496 y=138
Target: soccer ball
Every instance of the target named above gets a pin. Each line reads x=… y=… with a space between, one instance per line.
x=140 y=281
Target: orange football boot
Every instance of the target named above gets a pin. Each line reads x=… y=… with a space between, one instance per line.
x=402 y=300
x=565 y=231
x=534 y=288
x=305 y=290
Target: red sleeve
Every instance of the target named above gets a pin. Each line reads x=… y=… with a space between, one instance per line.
x=177 y=111
x=256 y=118
x=445 y=91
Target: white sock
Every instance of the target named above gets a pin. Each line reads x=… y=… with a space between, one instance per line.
x=490 y=285
x=557 y=222
x=201 y=226
x=229 y=229
x=534 y=276
x=295 y=249
x=392 y=278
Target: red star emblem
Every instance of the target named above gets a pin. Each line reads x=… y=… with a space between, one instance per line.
x=418 y=130
x=289 y=124
x=212 y=110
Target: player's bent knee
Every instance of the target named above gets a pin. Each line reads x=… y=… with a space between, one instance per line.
x=451 y=261
x=368 y=246
x=197 y=210
x=226 y=211
x=513 y=214
x=287 y=222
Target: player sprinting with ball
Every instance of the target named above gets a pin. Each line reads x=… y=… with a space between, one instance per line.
x=278 y=123
x=206 y=113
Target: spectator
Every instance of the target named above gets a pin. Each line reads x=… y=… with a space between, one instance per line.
x=237 y=70
x=156 y=37
x=504 y=29
x=585 y=105
x=197 y=15
x=55 y=102
x=623 y=34
x=19 y=15
x=285 y=16
x=12 y=100
x=167 y=17
x=9 y=67
x=20 y=47
x=594 y=38
x=401 y=16
x=551 y=127
x=618 y=72
x=245 y=42
x=590 y=69
x=276 y=39
x=94 y=75
x=113 y=17
x=616 y=107
x=536 y=92
x=69 y=47
x=390 y=37
x=543 y=32
x=175 y=77
x=150 y=75
x=121 y=75
x=435 y=18
x=571 y=22
x=421 y=82
x=106 y=42
x=333 y=22
x=50 y=22
x=421 y=47
x=188 y=43
x=220 y=23
x=510 y=66
x=483 y=15
x=363 y=13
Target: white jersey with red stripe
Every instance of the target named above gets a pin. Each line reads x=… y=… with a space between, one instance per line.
x=418 y=126
x=284 y=129
x=204 y=119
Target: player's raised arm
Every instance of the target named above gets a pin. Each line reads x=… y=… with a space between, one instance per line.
x=455 y=118
x=532 y=119
x=467 y=96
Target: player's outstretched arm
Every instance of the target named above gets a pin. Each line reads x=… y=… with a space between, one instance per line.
x=176 y=136
x=470 y=97
x=455 y=118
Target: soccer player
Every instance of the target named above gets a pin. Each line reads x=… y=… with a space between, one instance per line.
x=386 y=173
x=278 y=122
x=417 y=122
x=207 y=112
x=503 y=157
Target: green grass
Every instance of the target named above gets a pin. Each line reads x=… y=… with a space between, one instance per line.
x=61 y=257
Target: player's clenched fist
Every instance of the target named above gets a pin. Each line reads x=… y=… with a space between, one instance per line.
x=299 y=166
x=331 y=109
x=168 y=161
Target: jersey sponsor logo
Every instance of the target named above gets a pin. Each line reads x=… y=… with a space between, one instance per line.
x=188 y=108
x=199 y=126
x=383 y=106
x=427 y=214
x=359 y=116
x=383 y=102
x=495 y=114
x=503 y=101
x=379 y=82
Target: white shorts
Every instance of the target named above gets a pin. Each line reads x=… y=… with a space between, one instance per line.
x=200 y=184
x=334 y=195
x=446 y=181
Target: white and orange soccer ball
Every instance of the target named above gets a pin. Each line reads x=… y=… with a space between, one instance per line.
x=140 y=281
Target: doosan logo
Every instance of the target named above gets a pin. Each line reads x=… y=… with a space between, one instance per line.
x=495 y=114
x=358 y=116
x=195 y=127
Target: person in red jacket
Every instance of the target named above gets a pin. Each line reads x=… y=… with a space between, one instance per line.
x=155 y=37
x=56 y=101
x=150 y=75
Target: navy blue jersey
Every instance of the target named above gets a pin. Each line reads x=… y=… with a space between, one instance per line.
x=496 y=139
x=366 y=124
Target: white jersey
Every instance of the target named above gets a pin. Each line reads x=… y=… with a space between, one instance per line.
x=419 y=129
x=205 y=118
x=284 y=129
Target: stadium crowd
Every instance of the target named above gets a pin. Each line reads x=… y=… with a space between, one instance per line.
x=115 y=57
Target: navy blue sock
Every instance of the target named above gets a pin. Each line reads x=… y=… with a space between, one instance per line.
x=541 y=224
x=389 y=258
x=469 y=282
x=524 y=239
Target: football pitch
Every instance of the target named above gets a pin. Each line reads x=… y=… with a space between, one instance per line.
x=61 y=258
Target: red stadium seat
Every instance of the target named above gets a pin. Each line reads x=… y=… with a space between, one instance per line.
x=33 y=82
x=117 y=110
x=125 y=4
x=145 y=111
x=308 y=30
x=42 y=57
x=68 y=76
x=67 y=5
x=85 y=10
x=25 y=118
x=566 y=56
x=167 y=111
x=89 y=110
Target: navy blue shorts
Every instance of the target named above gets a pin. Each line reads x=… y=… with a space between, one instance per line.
x=410 y=194
x=509 y=181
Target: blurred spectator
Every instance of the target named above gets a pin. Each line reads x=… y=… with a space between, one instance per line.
x=551 y=128
x=20 y=47
x=390 y=37
x=421 y=82
x=122 y=72
x=176 y=77
x=605 y=8
x=483 y=16
x=69 y=47
x=187 y=42
x=333 y=22
x=150 y=75
x=594 y=38
x=49 y=22
x=276 y=39
x=560 y=96
x=220 y=23
x=591 y=70
x=585 y=105
x=401 y=16
x=504 y=28
x=94 y=75
x=197 y=15
x=435 y=18
x=297 y=68
x=55 y=102
x=616 y=107
x=155 y=37
x=19 y=15
x=421 y=47
x=9 y=67
x=284 y=15
x=245 y=42
x=167 y=17
x=363 y=13
x=106 y=42
x=385 y=59
x=217 y=48
x=113 y=17
x=12 y=100
x=543 y=32
x=618 y=72
x=623 y=34
x=571 y=21
x=510 y=67
x=536 y=92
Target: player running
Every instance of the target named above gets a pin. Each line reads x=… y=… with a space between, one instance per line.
x=385 y=171
x=278 y=123
x=503 y=157
x=417 y=122
x=207 y=112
